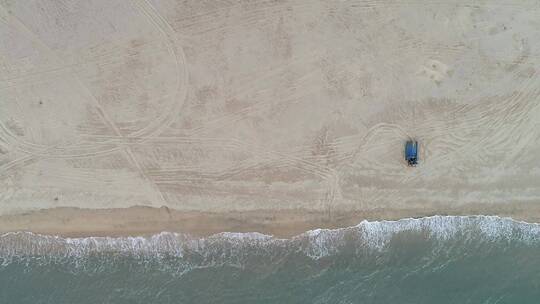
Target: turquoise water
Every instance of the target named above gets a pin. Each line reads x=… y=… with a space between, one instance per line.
x=428 y=260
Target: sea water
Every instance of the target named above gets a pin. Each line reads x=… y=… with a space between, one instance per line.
x=440 y=259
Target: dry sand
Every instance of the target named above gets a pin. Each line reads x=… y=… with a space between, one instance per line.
x=270 y=116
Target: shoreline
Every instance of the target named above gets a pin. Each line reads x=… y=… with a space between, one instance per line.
x=260 y=127
x=142 y=221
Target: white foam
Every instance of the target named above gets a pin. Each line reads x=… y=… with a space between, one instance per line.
x=377 y=234
x=235 y=246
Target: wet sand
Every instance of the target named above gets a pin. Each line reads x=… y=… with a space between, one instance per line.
x=72 y=222
x=270 y=116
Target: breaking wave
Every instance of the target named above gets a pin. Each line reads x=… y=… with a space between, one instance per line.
x=486 y=258
x=237 y=247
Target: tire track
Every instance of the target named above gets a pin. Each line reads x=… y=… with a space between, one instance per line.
x=89 y=94
x=37 y=76
x=153 y=128
x=180 y=95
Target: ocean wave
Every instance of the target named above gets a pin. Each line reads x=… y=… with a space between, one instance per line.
x=234 y=248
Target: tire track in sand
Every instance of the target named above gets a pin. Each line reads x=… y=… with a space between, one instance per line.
x=152 y=129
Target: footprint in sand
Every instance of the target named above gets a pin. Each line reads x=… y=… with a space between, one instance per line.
x=435 y=70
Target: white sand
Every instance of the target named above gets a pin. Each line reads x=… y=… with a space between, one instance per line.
x=239 y=106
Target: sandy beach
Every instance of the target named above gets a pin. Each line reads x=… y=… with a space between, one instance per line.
x=134 y=117
x=146 y=221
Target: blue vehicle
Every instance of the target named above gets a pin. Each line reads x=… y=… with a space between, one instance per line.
x=411 y=152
